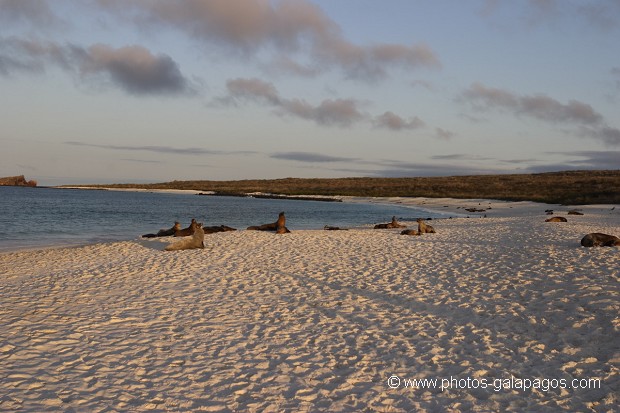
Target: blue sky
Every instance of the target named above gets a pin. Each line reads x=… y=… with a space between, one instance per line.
x=110 y=91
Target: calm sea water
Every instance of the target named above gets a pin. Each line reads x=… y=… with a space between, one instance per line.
x=42 y=217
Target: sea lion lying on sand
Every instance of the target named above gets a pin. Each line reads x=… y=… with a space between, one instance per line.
x=410 y=232
x=196 y=241
x=279 y=226
x=186 y=231
x=424 y=228
x=217 y=228
x=165 y=232
x=596 y=239
x=556 y=219
x=574 y=212
x=329 y=228
x=389 y=225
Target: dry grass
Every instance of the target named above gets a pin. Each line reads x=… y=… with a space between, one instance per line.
x=572 y=187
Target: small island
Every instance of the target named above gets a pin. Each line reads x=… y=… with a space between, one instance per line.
x=17 y=181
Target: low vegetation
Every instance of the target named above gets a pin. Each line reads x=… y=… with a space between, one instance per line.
x=571 y=187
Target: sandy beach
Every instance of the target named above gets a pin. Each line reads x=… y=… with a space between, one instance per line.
x=503 y=313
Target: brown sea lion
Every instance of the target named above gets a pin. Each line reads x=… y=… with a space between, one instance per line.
x=389 y=225
x=574 y=212
x=274 y=226
x=217 y=228
x=196 y=241
x=597 y=239
x=556 y=219
x=424 y=228
x=330 y=228
x=185 y=232
x=165 y=232
x=410 y=232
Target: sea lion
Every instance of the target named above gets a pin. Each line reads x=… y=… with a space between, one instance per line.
x=186 y=231
x=596 y=239
x=424 y=228
x=389 y=225
x=196 y=241
x=217 y=228
x=574 y=212
x=556 y=219
x=410 y=232
x=165 y=232
x=274 y=226
x=330 y=228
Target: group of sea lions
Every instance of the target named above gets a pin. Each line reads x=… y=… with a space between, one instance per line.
x=423 y=227
x=197 y=232
x=176 y=230
x=593 y=239
x=197 y=239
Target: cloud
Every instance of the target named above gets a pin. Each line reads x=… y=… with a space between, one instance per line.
x=140 y=161
x=589 y=122
x=444 y=134
x=538 y=106
x=255 y=27
x=161 y=149
x=604 y=14
x=134 y=69
x=23 y=55
x=253 y=89
x=609 y=135
x=519 y=161
x=581 y=160
x=601 y=14
x=309 y=157
x=423 y=84
x=34 y=12
x=329 y=112
x=338 y=112
x=461 y=157
x=595 y=159
x=389 y=168
x=392 y=121
x=413 y=169
x=615 y=72
x=285 y=64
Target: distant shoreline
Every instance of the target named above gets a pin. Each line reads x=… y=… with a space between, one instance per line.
x=568 y=187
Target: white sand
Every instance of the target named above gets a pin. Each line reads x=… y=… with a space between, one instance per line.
x=319 y=320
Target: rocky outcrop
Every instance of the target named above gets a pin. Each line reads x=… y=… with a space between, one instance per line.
x=16 y=181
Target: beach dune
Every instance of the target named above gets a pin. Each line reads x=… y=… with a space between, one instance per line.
x=318 y=321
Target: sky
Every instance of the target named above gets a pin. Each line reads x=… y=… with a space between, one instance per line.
x=135 y=91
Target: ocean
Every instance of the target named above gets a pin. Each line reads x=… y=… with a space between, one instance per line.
x=50 y=217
